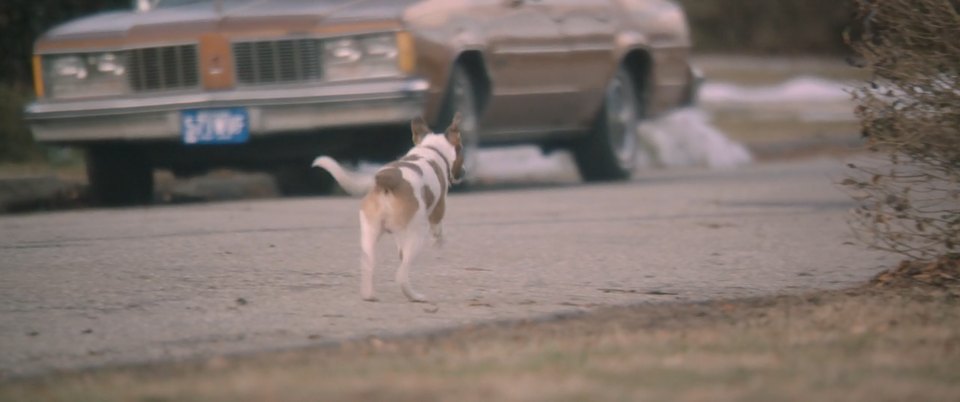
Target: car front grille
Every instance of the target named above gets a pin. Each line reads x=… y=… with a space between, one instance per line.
x=277 y=62
x=163 y=68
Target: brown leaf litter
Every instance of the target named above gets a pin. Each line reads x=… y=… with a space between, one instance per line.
x=941 y=273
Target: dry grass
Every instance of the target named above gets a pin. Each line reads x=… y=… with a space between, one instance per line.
x=863 y=345
x=772 y=70
x=782 y=129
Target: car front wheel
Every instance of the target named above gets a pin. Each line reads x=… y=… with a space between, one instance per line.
x=609 y=152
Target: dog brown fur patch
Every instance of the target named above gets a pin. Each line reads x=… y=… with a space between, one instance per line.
x=441 y=176
x=428 y=196
x=420 y=129
x=389 y=179
x=408 y=165
x=405 y=204
x=457 y=171
x=454 y=138
x=437 y=214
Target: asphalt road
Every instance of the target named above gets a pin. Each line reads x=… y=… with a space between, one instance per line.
x=102 y=287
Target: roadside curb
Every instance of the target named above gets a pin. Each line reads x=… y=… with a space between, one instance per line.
x=38 y=192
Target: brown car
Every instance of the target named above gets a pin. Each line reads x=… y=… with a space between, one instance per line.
x=189 y=85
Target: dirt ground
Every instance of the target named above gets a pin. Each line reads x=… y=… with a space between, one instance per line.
x=897 y=339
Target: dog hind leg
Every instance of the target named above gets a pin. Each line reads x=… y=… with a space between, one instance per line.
x=369 y=234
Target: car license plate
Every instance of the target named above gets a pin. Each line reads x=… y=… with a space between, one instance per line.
x=215 y=126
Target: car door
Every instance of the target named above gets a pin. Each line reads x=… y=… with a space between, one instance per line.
x=588 y=27
x=526 y=51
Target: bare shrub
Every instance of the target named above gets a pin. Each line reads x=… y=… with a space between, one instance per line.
x=910 y=113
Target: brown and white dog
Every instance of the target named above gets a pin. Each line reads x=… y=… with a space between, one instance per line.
x=406 y=198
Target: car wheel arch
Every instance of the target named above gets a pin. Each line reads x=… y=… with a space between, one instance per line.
x=639 y=63
x=476 y=67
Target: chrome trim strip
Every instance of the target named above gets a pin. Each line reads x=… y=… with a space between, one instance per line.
x=339 y=92
x=566 y=48
x=535 y=91
x=265 y=121
x=591 y=47
x=531 y=50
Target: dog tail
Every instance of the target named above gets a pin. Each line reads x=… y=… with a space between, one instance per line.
x=353 y=183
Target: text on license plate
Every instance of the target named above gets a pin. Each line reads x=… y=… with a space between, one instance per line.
x=215 y=126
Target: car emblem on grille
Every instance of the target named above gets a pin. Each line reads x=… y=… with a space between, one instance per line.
x=215 y=68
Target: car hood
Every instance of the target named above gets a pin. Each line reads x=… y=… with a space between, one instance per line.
x=234 y=15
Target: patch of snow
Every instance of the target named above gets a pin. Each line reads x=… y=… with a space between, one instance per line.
x=688 y=138
x=519 y=163
x=683 y=138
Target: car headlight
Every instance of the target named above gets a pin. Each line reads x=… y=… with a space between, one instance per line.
x=85 y=75
x=356 y=57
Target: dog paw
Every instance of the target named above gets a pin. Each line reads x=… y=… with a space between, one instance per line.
x=417 y=298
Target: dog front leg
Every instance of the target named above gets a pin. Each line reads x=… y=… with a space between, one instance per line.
x=436 y=231
x=410 y=246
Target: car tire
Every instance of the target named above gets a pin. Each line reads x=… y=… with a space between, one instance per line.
x=119 y=175
x=461 y=97
x=610 y=150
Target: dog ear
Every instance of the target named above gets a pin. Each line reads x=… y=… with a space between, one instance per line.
x=453 y=132
x=420 y=129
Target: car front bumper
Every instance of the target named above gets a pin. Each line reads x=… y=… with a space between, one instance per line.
x=272 y=111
